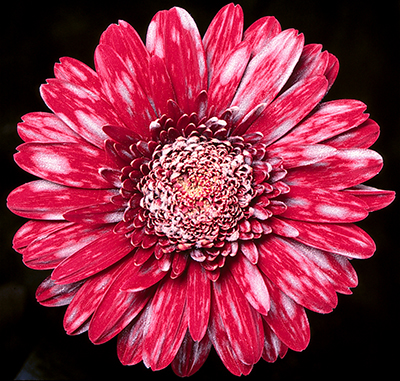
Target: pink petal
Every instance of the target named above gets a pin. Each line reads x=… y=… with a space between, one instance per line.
x=295 y=275
x=191 y=356
x=174 y=37
x=226 y=78
x=362 y=136
x=117 y=308
x=220 y=340
x=44 y=127
x=335 y=267
x=268 y=71
x=301 y=155
x=283 y=228
x=287 y=319
x=33 y=230
x=123 y=89
x=87 y=299
x=93 y=258
x=69 y=164
x=261 y=32
x=223 y=34
x=273 y=347
x=50 y=294
x=102 y=213
x=320 y=205
x=332 y=70
x=167 y=324
x=130 y=340
x=289 y=108
x=49 y=250
x=251 y=283
x=144 y=276
x=329 y=119
x=249 y=250
x=81 y=109
x=375 y=199
x=239 y=320
x=197 y=300
x=344 y=169
x=344 y=239
x=77 y=73
x=44 y=200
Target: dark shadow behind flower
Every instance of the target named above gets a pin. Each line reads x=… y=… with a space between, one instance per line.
x=197 y=192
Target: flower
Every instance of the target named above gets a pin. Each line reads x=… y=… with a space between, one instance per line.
x=196 y=193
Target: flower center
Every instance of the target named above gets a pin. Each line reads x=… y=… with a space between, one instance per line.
x=196 y=191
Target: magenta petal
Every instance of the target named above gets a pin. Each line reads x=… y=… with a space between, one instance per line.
x=251 y=283
x=328 y=120
x=344 y=169
x=82 y=110
x=191 y=356
x=320 y=205
x=268 y=71
x=93 y=258
x=48 y=251
x=44 y=127
x=48 y=201
x=167 y=324
x=69 y=164
x=295 y=275
x=344 y=239
x=174 y=37
x=261 y=32
x=375 y=199
x=223 y=34
x=117 y=308
x=87 y=299
x=197 y=300
x=289 y=108
x=287 y=319
x=54 y=295
x=241 y=323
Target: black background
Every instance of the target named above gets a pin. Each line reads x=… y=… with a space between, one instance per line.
x=360 y=337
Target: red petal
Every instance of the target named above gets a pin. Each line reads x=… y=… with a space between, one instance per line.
x=344 y=239
x=261 y=32
x=289 y=108
x=362 y=136
x=81 y=109
x=283 y=228
x=48 y=201
x=197 y=300
x=273 y=347
x=241 y=324
x=344 y=169
x=144 y=276
x=87 y=299
x=295 y=275
x=249 y=250
x=50 y=250
x=167 y=324
x=44 y=127
x=191 y=356
x=124 y=91
x=332 y=70
x=106 y=213
x=268 y=71
x=117 y=308
x=330 y=119
x=93 y=258
x=375 y=199
x=50 y=294
x=251 y=283
x=223 y=34
x=319 y=205
x=173 y=36
x=287 y=319
x=69 y=164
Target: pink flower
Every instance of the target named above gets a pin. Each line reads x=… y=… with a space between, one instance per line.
x=196 y=192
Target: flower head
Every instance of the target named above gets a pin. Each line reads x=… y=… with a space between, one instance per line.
x=196 y=193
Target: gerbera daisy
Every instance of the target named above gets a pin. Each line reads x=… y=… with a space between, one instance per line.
x=196 y=193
